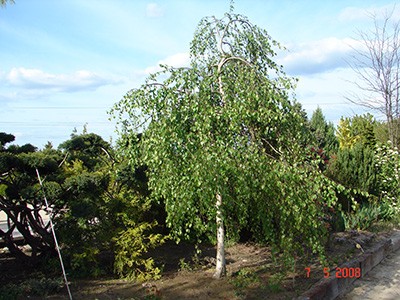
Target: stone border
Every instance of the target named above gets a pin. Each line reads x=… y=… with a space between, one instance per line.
x=332 y=287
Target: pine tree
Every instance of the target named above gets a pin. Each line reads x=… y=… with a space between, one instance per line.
x=324 y=132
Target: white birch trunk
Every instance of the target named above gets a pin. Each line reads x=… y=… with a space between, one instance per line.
x=220 y=269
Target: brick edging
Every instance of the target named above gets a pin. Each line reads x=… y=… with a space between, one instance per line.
x=332 y=287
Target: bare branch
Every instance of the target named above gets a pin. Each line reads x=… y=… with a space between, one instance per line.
x=377 y=66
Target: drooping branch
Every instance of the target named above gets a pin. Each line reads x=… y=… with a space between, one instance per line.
x=222 y=36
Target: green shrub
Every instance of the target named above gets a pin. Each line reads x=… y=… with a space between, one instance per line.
x=42 y=286
x=10 y=292
x=32 y=287
x=85 y=262
x=355 y=168
x=362 y=218
x=130 y=247
x=388 y=162
x=387 y=211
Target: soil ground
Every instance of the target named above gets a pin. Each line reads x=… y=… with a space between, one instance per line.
x=251 y=273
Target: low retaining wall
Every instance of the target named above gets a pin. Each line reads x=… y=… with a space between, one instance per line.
x=332 y=287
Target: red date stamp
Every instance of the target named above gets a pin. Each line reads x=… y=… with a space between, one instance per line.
x=338 y=273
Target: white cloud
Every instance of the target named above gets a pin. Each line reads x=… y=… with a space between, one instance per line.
x=317 y=56
x=353 y=13
x=38 y=79
x=177 y=60
x=327 y=91
x=153 y=10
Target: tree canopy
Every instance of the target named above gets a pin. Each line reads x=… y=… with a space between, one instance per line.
x=3 y=3
x=323 y=132
x=21 y=196
x=220 y=136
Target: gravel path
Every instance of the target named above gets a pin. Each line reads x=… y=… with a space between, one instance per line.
x=382 y=282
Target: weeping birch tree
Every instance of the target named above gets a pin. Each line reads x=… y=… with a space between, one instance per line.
x=3 y=3
x=215 y=136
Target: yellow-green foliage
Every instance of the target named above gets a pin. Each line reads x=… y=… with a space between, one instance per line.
x=346 y=139
x=3 y=188
x=131 y=246
x=85 y=262
x=357 y=129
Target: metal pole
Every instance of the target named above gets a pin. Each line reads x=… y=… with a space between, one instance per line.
x=54 y=237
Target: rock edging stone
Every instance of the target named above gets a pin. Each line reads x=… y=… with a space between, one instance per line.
x=332 y=287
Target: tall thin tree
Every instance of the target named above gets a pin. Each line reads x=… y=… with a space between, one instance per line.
x=377 y=66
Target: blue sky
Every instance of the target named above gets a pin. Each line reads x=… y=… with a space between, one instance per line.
x=64 y=63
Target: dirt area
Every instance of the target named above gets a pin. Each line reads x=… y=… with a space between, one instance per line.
x=251 y=273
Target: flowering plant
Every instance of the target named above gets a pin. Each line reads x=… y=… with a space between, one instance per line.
x=388 y=163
